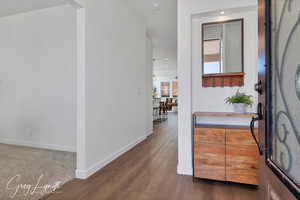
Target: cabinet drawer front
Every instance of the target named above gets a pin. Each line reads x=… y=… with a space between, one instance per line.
x=239 y=137
x=209 y=135
x=242 y=164
x=209 y=160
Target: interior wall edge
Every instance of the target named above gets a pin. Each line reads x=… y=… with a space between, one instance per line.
x=81 y=88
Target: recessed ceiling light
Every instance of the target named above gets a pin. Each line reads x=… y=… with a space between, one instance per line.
x=156 y=6
x=222 y=12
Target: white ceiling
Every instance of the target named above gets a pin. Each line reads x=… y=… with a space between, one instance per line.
x=161 y=21
x=160 y=16
x=11 y=7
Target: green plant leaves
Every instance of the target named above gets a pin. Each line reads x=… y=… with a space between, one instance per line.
x=240 y=98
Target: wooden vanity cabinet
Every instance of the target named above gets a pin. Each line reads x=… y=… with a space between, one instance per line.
x=225 y=153
x=209 y=153
x=241 y=157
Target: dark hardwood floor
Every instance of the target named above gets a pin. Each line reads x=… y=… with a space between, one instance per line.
x=148 y=172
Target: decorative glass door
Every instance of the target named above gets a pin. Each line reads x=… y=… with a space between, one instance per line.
x=284 y=99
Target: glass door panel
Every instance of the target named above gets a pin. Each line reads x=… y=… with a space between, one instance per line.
x=284 y=137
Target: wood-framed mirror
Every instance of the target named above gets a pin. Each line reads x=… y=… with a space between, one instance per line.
x=223 y=53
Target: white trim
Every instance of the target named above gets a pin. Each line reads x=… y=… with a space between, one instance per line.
x=81 y=93
x=84 y=174
x=184 y=73
x=150 y=132
x=37 y=145
x=184 y=170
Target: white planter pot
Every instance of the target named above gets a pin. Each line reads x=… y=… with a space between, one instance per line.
x=239 y=107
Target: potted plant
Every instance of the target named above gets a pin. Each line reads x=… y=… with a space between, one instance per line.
x=240 y=101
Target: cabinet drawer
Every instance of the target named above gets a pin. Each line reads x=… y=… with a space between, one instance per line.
x=242 y=164
x=209 y=161
x=239 y=137
x=209 y=135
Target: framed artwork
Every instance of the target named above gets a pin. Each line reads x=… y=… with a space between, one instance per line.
x=165 y=89
x=175 y=88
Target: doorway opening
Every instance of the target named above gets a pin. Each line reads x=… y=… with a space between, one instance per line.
x=165 y=84
x=39 y=101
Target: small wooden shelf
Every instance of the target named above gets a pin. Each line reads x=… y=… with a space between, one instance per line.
x=223 y=114
x=223 y=80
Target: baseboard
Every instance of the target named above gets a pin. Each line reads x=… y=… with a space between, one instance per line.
x=80 y=174
x=84 y=174
x=37 y=145
x=150 y=132
x=185 y=170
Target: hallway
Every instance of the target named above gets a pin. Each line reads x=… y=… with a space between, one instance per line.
x=148 y=172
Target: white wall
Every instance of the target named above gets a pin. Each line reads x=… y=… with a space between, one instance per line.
x=38 y=78
x=187 y=9
x=163 y=68
x=116 y=86
x=162 y=74
x=149 y=87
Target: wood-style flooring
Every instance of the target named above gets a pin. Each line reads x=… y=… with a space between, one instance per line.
x=148 y=172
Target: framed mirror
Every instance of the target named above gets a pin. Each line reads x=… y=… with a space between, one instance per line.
x=223 y=53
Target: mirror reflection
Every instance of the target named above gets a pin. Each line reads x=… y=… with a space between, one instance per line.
x=222 y=47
